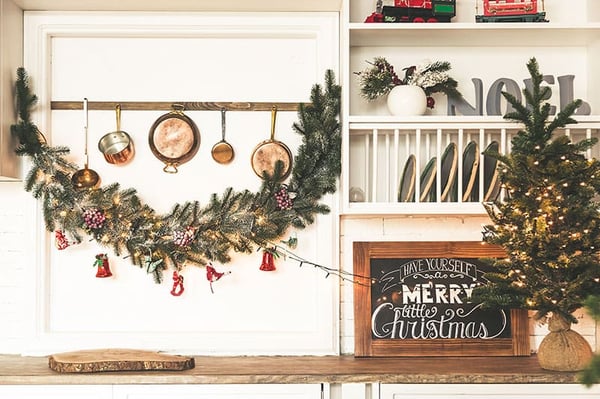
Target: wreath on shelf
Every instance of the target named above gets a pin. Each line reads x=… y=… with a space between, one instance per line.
x=236 y=220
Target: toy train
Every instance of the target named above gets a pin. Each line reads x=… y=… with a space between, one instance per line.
x=420 y=11
x=511 y=11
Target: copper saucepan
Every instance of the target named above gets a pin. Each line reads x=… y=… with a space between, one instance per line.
x=269 y=152
x=117 y=146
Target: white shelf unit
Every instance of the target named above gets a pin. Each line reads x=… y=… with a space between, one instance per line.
x=376 y=145
x=379 y=149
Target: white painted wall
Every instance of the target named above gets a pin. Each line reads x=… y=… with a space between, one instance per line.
x=17 y=246
x=52 y=299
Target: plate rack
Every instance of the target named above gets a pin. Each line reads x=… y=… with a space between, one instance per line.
x=431 y=165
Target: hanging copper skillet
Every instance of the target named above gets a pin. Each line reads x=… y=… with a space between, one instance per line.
x=174 y=139
x=266 y=154
x=222 y=152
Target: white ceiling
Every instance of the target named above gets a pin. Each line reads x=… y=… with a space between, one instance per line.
x=180 y=5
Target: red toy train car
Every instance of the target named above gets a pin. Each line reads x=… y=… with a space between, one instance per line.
x=511 y=11
x=420 y=11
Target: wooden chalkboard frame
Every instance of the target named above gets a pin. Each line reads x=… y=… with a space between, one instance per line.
x=366 y=346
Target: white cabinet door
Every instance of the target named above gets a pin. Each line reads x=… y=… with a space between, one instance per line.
x=230 y=391
x=487 y=391
x=55 y=391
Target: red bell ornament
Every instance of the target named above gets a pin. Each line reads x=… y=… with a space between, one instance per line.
x=103 y=267
x=268 y=263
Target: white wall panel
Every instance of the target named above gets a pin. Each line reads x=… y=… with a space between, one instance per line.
x=182 y=57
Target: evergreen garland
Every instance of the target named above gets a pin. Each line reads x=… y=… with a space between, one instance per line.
x=548 y=220
x=191 y=233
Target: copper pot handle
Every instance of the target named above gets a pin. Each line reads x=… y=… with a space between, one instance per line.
x=273 y=115
x=170 y=168
x=118 y=114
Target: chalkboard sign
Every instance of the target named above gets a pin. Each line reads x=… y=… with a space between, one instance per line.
x=414 y=300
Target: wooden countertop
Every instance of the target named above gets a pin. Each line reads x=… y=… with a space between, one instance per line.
x=15 y=369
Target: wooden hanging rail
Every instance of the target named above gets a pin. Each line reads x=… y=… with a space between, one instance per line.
x=168 y=106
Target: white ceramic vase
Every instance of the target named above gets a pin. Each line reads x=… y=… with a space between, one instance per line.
x=407 y=100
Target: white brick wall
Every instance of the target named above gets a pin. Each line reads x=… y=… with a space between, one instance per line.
x=15 y=254
x=422 y=228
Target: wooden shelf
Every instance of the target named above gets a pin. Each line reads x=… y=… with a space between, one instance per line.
x=303 y=370
x=507 y=35
x=168 y=106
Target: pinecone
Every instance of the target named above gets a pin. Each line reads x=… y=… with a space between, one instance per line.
x=185 y=237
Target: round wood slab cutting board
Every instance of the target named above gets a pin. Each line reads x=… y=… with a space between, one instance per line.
x=100 y=360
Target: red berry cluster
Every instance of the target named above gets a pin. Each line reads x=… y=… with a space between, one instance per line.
x=94 y=218
x=284 y=201
x=430 y=102
x=385 y=67
x=185 y=237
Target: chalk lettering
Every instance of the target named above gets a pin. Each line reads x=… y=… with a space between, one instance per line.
x=430 y=298
x=449 y=325
x=437 y=293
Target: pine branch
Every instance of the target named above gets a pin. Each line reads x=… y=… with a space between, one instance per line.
x=190 y=233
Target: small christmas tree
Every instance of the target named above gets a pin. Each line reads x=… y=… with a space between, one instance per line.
x=547 y=219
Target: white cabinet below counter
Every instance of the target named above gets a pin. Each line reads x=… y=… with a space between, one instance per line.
x=55 y=391
x=218 y=391
x=487 y=391
x=164 y=391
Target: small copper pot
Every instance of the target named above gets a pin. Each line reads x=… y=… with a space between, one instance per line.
x=117 y=146
x=267 y=153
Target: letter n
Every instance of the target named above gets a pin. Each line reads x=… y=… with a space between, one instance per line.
x=463 y=107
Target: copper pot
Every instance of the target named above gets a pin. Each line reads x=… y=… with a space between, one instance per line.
x=117 y=146
x=267 y=153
